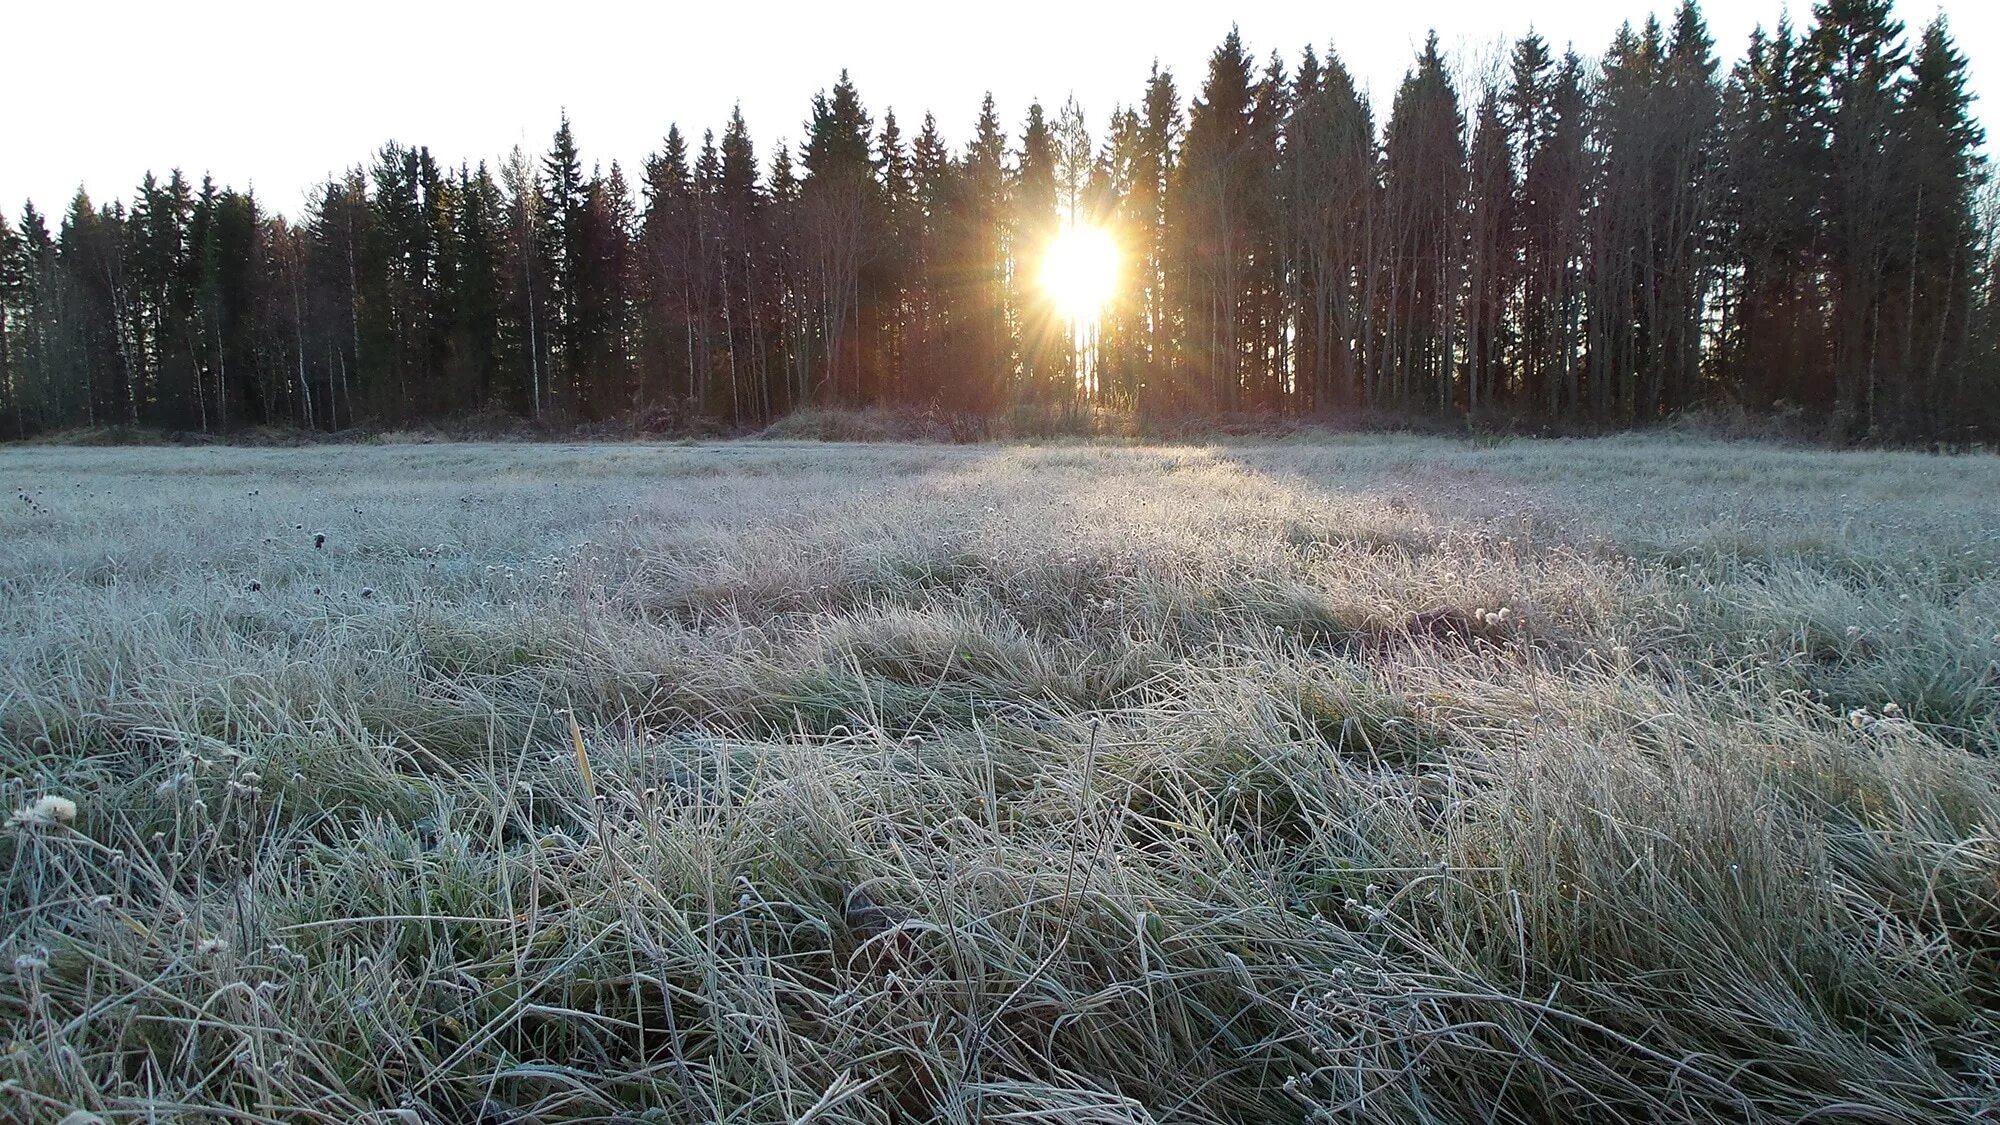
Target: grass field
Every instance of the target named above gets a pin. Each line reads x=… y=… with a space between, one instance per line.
x=1366 y=779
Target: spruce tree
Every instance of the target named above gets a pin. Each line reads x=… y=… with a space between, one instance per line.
x=1036 y=218
x=979 y=341
x=1155 y=169
x=473 y=367
x=13 y=290
x=1941 y=169
x=559 y=261
x=838 y=205
x=789 y=293
x=1214 y=197
x=1859 y=63
x=1330 y=190
x=667 y=233
x=1423 y=168
x=932 y=187
x=740 y=206
x=1490 y=245
x=884 y=281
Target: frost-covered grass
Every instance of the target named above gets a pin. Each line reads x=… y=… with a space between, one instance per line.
x=1372 y=779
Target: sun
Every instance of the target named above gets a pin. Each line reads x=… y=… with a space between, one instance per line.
x=1080 y=271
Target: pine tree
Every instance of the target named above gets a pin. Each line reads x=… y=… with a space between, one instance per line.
x=705 y=274
x=1265 y=317
x=43 y=397
x=932 y=188
x=1117 y=353
x=91 y=350
x=1610 y=245
x=886 y=280
x=160 y=268
x=1490 y=247
x=604 y=328
x=746 y=286
x=1036 y=218
x=1213 y=197
x=1074 y=167
x=338 y=232
x=1155 y=169
x=231 y=282
x=1940 y=170
x=838 y=206
x=13 y=297
x=1859 y=62
x=524 y=368
x=559 y=261
x=1773 y=328
x=1423 y=168
x=979 y=343
x=474 y=363
x=1330 y=189
x=665 y=272
x=789 y=293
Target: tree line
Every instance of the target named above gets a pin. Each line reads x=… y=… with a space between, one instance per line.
x=1598 y=243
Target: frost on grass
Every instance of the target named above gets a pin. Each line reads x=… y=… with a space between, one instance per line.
x=1373 y=780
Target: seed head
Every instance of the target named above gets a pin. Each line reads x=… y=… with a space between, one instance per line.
x=44 y=810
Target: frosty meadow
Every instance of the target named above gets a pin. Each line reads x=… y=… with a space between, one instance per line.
x=1365 y=779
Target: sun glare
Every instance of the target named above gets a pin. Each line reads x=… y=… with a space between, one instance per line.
x=1080 y=271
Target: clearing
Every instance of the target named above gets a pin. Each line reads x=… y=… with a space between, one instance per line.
x=1361 y=779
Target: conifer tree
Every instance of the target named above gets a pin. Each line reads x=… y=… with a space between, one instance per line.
x=1036 y=218
x=43 y=398
x=789 y=294
x=1941 y=169
x=1264 y=313
x=559 y=257
x=474 y=356
x=1774 y=333
x=838 y=206
x=1213 y=199
x=932 y=188
x=978 y=335
x=603 y=330
x=665 y=273
x=1423 y=168
x=1490 y=243
x=1858 y=61
x=1605 y=245
x=744 y=266
x=886 y=279
x=1155 y=170
x=1330 y=188
x=13 y=290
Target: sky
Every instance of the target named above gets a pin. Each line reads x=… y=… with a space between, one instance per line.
x=278 y=95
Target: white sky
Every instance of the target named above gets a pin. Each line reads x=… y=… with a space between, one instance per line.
x=276 y=95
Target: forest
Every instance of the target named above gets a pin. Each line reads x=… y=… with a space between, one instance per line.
x=1562 y=241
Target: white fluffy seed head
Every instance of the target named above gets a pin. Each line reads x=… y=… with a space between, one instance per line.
x=48 y=809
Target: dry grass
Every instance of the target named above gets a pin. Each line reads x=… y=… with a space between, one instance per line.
x=1370 y=779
